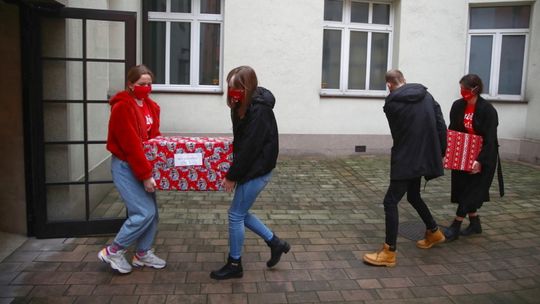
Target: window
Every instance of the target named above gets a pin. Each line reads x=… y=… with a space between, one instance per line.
x=357 y=47
x=182 y=44
x=497 y=52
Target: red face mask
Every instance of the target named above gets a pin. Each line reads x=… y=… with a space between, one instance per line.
x=236 y=94
x=467 y=94
x=142 y=92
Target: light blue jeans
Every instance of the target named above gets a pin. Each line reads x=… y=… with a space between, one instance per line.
x=239 y=216
x=142 y=221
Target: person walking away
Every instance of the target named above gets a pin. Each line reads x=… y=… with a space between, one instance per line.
x=419 y=143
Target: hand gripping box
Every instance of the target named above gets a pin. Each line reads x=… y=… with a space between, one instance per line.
x=189 y=163
x=462 y=150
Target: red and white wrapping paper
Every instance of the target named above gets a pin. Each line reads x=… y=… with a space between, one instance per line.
x=189 y=163
x=462 y=150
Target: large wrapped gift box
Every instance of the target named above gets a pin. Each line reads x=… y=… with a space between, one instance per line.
x=189 y=163
x=462 y=150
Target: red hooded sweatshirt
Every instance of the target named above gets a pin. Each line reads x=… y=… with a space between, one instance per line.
x=127 y=131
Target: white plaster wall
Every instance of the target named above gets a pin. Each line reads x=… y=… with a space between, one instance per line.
x=282 y=40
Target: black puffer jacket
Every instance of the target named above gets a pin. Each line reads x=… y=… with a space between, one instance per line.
x=256 y=142
x=419 y=133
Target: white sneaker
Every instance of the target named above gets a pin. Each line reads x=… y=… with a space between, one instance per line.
x=117 y=260
x=149 y=259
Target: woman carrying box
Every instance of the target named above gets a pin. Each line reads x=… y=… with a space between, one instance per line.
x=255 y=152
x=134 y=119
x=474 y=115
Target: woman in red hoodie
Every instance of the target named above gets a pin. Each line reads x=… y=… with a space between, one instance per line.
x=134 y=119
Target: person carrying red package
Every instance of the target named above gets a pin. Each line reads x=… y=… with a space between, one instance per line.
x=474 y=115
x=134 y=119
x=255 y=152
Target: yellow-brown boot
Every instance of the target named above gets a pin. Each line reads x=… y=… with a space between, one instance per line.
x=384 y=257
x=431 y=238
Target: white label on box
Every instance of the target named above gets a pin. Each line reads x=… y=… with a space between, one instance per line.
x=188 y=159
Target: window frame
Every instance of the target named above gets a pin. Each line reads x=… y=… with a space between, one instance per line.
x=496 y=48
x=195 y=19
x=346 y=27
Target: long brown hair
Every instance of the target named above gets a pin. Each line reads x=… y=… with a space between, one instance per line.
x=243 y=77
x=136 y=72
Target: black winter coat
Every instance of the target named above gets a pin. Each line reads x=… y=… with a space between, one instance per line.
x=418 y=131
x=473 y=189
x=256 y=142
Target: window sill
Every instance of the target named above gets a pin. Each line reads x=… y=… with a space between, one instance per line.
x=186 y=89
x=366 y=95
x=494 y=99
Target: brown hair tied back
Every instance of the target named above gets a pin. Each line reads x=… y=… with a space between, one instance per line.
x=136 y=72
x=472 y=82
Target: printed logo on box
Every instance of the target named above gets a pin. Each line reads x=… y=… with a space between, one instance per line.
x=188 y=159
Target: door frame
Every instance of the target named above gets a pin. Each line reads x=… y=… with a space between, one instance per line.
x=34 y=125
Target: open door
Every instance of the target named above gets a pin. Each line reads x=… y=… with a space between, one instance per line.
x=77 y=59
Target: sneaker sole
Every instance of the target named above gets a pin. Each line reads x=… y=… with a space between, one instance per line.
x=141 y=264
x=113 y=265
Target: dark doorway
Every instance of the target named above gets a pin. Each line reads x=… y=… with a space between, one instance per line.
x=74 y=60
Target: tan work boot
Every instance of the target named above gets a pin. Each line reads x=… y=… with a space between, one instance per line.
x=432 y=238
x=384 y=257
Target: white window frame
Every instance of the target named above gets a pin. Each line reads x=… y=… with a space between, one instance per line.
x=496 y=49
x=195 y=18
x=346 y=27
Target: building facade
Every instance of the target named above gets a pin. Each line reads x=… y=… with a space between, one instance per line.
x=324 y=60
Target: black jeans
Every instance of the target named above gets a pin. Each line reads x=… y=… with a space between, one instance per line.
x=395 y=192
x=463 y=210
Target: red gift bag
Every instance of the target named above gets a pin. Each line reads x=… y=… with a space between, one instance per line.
x=462 y=150
x=189 y=163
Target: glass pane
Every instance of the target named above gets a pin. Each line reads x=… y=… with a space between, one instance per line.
x=104 y=79
x=66 y=203
x=64 y=163
x=180 y=52
x=360 y=12
x=381 y=13
x=379 y=61
x=511 y=71
x=181 y=6
x=333 y=10
x=157 y=5
x=154 y=50
x=105 y=39
x=61 y=38
x=480 y=58
x=62 y=80
x=98 y=117
x=99 y=163
x=210 y=50
x=357 y=61
x=500 y=17
x=63 y=121
x=210 y=6
x=331 y=59
x=105 y=202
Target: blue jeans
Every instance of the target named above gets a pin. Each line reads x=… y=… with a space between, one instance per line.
x=142 y=221
x=239 y=216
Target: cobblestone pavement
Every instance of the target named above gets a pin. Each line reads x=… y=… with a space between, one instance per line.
x=330 y=210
